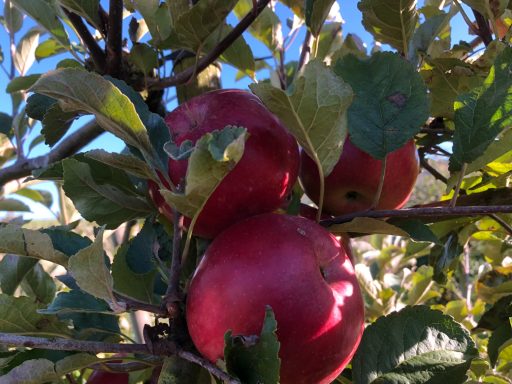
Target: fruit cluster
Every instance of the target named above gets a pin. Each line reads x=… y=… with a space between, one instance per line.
x=290 y=263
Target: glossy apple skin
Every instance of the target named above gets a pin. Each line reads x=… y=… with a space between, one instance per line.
x=263 y=177
x=353 y=183
x=104 y=377
x=281 y=261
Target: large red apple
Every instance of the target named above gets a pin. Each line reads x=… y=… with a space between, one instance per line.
x=265 y=174
x=353 y=183
x=301 y=271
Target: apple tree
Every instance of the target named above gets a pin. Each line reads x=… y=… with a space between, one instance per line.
x=347 y=217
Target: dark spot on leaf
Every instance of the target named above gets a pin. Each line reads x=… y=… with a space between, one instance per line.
x=398 y=99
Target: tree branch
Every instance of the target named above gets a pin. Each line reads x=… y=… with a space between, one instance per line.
x=97 y=54
x=422 y=212
x=203 y=63
x=164 y=348
x=434 y=172
x=115 y=37
x=68 y=147
x=483 y=31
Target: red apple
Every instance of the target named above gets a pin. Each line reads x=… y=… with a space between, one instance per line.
x=353 y=183
x=104 y=377
x=300 y=270
x=264 y=176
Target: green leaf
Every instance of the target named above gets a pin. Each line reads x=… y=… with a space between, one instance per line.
x=19 y=315
x=193 y=26
x=38 y=105
x=179 y=371
x=47 y=48
x=416 y=229
x=267 y=26
x=102 y=194
x=446 y=79
x=329 y=40
x=88 y=268
x=127 y=163
x=214 y=156
x=66 y=241
x=39 y=285
x=425 y=35
x=26 y=242
x=390 y=21
x=157 y=18
x=315 y=113
x=254 y=359
x=37 y=196
x=56 y=123
x=5 y=123
x=382 y=121
x=89 y=9
x=144 y=57
x=13 y=270
x=316 y=13
x=443 y=256
x=499 y=337
x=481 y=114
x=25 y=51
x=368 y=225
x=45 y=14
x=83 y=91
x=35 y=371
x=13 y=205
x=495 y=150
x=421 y=282
x=76 y=301
x=416 y=345
x=13 y=17
x=496 y=316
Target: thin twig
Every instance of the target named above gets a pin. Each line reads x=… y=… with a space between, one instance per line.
x=134 y=305
x=172 y=296
x=226 y=378
x=68 y=147
x=305 y=52
x=203 y=63
x=97 y=54
x=164 y=348
x=115 y=37
x=506 y=226
x=422 y=212
x=434 y=172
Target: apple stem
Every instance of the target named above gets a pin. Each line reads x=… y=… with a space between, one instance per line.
x=186 y=248
x=453 y=201
x=172 y=295
x=376 y=199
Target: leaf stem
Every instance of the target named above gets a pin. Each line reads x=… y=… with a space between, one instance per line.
x=376 y=199
x=63 y=214
x=458 y=186
x=502 y=222
x=172 y=295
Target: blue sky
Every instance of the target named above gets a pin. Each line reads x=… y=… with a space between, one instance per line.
x=350 y=14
